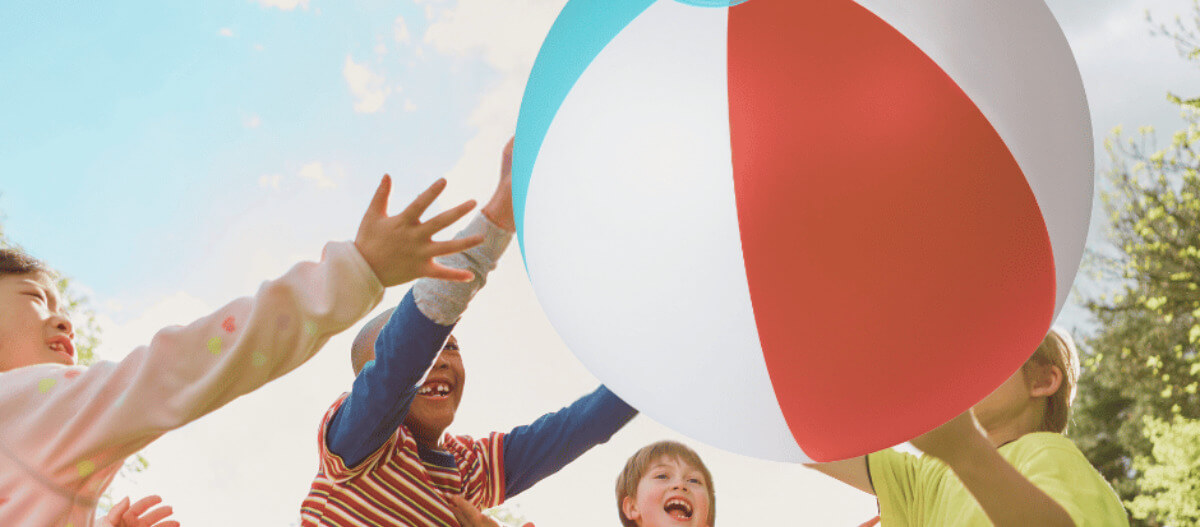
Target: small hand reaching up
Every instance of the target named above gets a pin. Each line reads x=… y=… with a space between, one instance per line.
x=139 y=514
x=467 y=514
x=499 y=209
x=400 y=248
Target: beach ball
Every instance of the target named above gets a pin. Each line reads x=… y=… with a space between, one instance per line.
x=803 y=229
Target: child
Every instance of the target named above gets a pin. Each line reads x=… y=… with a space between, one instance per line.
x=666 y=484
x=65 y=430
x=384 y=459
x=1012 y=467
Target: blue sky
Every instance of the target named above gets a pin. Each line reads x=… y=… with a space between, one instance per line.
x=176 y=111
x=172 y=155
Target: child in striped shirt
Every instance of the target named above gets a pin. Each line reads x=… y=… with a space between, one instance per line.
x=65 y=430
x=385 y=459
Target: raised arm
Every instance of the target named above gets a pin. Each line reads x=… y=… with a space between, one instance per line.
x=539 y=449
x=1007 y=497
x=78 y=424
x=851 y=471
x=414 y=334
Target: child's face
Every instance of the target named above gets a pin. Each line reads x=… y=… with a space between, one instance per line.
x=1020 y=400
x=437 y=399
x=671 y=493
x=33 y=326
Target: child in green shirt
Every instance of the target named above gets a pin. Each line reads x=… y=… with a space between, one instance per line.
x=1005 y=462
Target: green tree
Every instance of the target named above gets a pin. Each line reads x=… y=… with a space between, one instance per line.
x=1141 y=364
x=1170 y=476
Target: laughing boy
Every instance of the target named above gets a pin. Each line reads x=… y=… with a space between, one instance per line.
x=385 y=459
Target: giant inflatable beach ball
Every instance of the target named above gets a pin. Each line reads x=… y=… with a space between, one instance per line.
x=803 y=229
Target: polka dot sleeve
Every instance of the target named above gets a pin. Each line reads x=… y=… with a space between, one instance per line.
x=68 y=429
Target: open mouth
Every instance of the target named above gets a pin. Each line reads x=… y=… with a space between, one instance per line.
x=63 y=345
x=678 y=509
x=435 y=390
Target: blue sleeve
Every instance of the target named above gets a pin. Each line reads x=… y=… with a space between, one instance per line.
x=406 y=347
x=537 y=450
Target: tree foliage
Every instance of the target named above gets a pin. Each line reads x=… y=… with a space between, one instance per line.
x=1142 y=368
x=1170 y=476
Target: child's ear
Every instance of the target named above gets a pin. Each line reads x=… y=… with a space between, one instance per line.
x=630 y=509
x=1046 y=382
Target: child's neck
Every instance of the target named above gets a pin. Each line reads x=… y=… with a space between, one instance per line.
x=1009 y=430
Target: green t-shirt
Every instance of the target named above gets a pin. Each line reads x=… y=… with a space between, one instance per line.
x=922 y=491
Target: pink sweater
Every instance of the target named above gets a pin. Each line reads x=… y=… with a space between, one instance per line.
x=65 y=431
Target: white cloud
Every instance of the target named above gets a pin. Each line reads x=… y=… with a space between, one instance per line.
x=316 y=172
x=400 y=30
x=118 y=339
x=409 y=106
x=225 y=32
x=286 y=5
x=253 y=121
x=507 y=37
x=507 y=34
x=368 y=87
x=258 y=47
x=270 y=181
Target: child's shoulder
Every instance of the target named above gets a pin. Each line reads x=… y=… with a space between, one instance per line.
x=1047 y=451
x=1036 y=441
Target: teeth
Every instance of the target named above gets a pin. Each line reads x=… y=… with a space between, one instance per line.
x=681 y=504
x=438 y=388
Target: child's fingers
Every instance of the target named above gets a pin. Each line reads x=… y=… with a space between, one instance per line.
x=457 y=506
x=155 y=515
x=415 y=209
x=169 y=523
x=445 y=219
x=141 y=506
x=453 y=246
x=506 y=157
x=114 y=514
x=449 y=274
x=379 y=201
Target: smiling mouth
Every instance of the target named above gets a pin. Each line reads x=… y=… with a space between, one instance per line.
x=679 y=509
x=435 y=390
x=63 y=347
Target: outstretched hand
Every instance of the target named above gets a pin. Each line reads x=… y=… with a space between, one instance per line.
x=400 y=248
x=139 y=514
x=499 y=209
x=467 y=514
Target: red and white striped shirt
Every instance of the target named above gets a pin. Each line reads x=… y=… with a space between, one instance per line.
x=394 y=486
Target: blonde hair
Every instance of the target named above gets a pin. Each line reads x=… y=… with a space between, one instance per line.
x=1058 y=350
x=635 y=468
